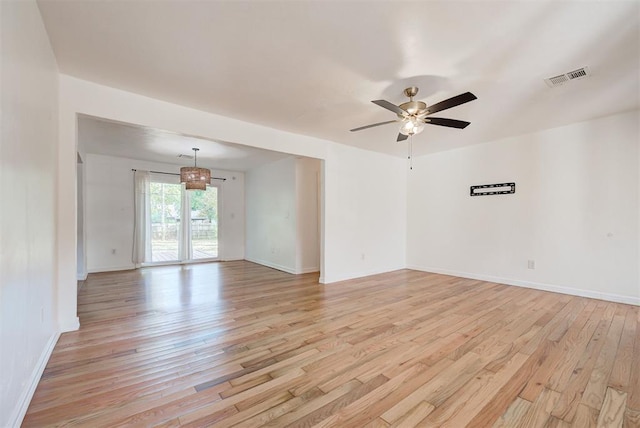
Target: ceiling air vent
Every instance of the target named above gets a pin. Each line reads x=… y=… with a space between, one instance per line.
x=185 y=156
x=564 y=78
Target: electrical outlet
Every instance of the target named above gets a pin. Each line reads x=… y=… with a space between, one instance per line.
x=531 y=264
x=362 y=256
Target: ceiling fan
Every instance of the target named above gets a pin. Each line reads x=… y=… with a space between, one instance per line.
x=413 y=115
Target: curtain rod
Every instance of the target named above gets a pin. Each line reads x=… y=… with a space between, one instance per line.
x=173 y=173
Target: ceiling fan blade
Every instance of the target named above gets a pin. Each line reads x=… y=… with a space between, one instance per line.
x=371 y=126
x=452 y=123
x=389 y=106
x=401 y=137
x=451 y=102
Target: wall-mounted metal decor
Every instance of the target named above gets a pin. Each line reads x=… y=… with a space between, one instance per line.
x=493 y=189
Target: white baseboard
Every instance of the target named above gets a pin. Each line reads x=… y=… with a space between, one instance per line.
x=71 y=324
x=353 y=275
x=272 y=265
x=283 y=268
x=82 y=276
x=630 y=300
x=111 y=269
x=15 y=420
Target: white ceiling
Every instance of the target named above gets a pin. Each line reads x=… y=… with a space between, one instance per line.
x=312 y=67
x=136 y=142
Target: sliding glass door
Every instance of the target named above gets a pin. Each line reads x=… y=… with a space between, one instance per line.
x=204 y=223
x=174 y=242
x=165 y=209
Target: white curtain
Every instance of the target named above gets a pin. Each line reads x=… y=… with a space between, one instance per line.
x=142 y=218
x=185 y=247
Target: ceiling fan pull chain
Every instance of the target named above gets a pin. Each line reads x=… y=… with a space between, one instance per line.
x=411 y=152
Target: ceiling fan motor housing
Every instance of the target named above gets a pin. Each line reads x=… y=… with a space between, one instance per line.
x=414 y=108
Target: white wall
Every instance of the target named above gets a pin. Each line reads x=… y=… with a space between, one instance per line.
x=283 y=215
x=28 y=144
x=365 y=213
x=308 y=215
x=109 y=211
x=81 y=251
x=271 y=215
x=575 y=210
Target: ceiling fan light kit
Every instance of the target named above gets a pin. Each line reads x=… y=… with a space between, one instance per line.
x=411 y=126
x=194 y=177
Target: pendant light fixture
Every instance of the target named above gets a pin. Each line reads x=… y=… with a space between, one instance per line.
x=194 y=177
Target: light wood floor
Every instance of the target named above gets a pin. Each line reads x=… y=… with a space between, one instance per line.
x=239 y=344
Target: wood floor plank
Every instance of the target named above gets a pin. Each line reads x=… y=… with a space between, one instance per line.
x=554 y=422
x=597 y=387
x=265 y=417
x=376 y=423
x=558 y=359
x=301 y=411
x=631 y=417
x=512 y=417
x=326 y=411
x=573 y=351
x=633 y=399
x=571 y=395
x=372 y=404
x=508 y=392
x=159 y=412
x=239 y=344
x=255 y=395
x=439 y=388
x=458 y=401
x=621 y=372
x=399 y=392
x=414 y=416
x=540 y=411
x=586 y=417
x=461 y=409
x=613 y=408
